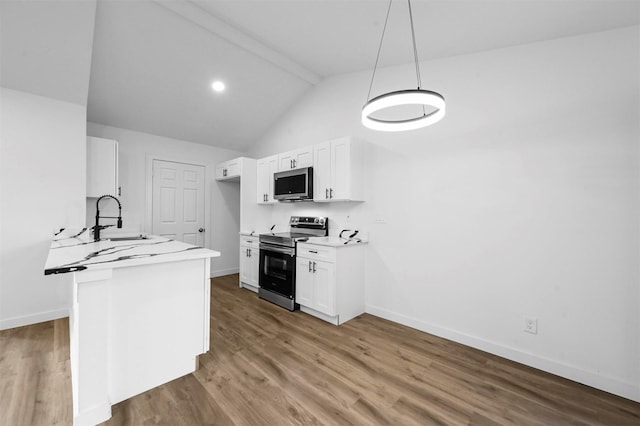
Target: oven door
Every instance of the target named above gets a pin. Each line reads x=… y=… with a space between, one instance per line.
x=278 y=269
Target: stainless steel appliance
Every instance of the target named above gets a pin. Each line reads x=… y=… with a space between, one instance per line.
x=277 y=278
x=293 y=185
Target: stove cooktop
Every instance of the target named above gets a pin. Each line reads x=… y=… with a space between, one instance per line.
x=312 y=227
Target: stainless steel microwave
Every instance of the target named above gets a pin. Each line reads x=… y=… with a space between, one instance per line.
x=293 y=185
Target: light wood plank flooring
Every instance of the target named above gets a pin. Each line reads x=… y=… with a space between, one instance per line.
x=268 y=366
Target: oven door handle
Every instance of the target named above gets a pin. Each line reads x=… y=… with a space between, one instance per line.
x=283 y=250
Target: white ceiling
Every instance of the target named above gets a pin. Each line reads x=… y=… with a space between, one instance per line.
x=45 y=48
x=153 y=61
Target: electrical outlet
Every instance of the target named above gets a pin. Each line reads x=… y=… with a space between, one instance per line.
x=531 y=325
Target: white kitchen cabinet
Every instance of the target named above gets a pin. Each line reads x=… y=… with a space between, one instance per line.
x=229 y=170
x=266 y=168
x=330 y=281
x=296 y=159
x=249 y=262
x=338 y=170
x=102 y=167
x=315 y=285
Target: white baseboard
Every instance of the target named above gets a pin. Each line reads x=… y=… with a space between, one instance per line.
x=606 y=383
x=222 y=272
x=33 y=318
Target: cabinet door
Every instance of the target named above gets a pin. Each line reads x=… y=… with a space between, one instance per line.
x=254 y=267
x=266 y=168
x=296 y=159
x=228 y=170
x=324 y=280
x=285 y=161
x=340 y=169
x=303 y=157
x=245 y=265
x=102 y=167
x=304 y=282
x=321 y=171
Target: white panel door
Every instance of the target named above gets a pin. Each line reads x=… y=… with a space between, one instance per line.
x=178 y=201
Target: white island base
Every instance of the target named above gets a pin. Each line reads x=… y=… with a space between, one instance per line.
x=134 y=328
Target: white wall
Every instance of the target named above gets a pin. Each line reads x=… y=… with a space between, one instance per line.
x=42 y=188
x=522 y=201
x=223 y=224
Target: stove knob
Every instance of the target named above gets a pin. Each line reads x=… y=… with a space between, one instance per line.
x=316 y=220
x=321 y=221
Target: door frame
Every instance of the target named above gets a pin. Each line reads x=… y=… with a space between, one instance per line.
x=148 y=204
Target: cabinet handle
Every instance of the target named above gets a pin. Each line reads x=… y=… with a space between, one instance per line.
x=326 y=193
x=309 y=266
x=295 y=163
x=314 y=267
x=224 y=172
x=313 y=251
x=249 y=252
x=330 y=192
x=119 y=191
x=246 y=252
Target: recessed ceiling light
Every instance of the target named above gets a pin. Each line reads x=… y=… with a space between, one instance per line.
x=217 y=86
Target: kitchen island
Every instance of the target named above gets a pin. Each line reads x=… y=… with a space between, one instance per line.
x=139 y=316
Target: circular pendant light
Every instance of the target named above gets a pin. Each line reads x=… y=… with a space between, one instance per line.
x=397 y=98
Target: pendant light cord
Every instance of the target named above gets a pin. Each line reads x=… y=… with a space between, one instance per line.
x=415 y=53
x=415 y=49
x=379 y=49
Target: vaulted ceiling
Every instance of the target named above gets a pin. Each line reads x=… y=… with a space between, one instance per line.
x=152 y=61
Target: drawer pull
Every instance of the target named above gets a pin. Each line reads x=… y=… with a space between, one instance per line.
x=313 y=251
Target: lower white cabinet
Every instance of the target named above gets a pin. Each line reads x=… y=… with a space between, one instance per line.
x=330 y=281
x=249 y=262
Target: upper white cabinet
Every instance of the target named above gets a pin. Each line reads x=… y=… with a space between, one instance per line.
x=338 y=170
x=296 y=159
x=229 y=170
x=102 y=167
x=266 y=168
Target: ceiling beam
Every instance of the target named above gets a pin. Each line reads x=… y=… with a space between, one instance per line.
x=214 y=25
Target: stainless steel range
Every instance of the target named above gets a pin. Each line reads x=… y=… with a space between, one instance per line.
x=278 y=259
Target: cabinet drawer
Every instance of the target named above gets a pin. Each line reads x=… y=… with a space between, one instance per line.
x=249 y=241
x=316 y=252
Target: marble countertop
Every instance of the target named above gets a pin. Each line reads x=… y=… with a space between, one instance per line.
x=73 y=251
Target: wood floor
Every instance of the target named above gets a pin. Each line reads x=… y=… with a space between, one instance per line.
x=268 y=366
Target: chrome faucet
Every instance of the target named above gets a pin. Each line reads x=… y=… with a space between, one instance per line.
x=96 y=229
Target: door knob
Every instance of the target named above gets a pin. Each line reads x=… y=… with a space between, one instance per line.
x=201 y=230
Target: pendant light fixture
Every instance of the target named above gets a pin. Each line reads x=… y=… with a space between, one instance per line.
x=397 y=98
